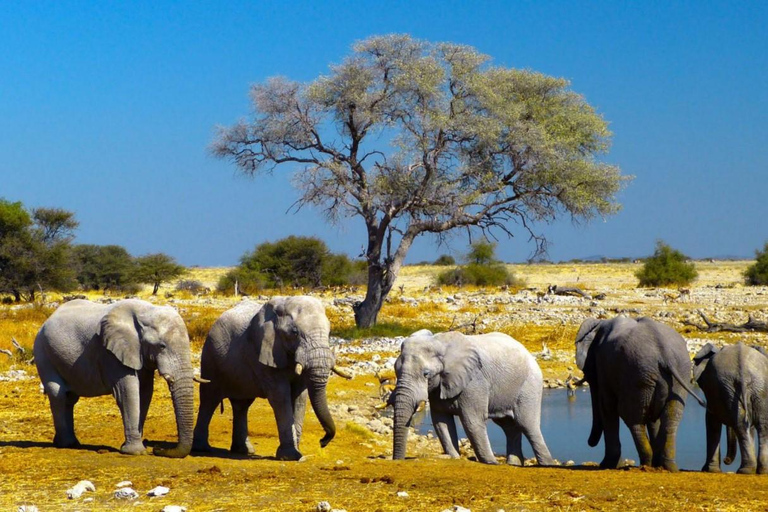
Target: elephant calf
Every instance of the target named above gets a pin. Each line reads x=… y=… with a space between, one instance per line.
x=477 y=378
x=89 y=349
x=735 y=382
x=279 y=351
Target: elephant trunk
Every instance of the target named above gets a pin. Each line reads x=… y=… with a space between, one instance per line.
x=597 y=421
x=404 y=408
x=182 y=394
x=319 y=364
x=732 y=441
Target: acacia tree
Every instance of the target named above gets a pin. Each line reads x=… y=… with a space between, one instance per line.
x=415 y=137
x=156 y=269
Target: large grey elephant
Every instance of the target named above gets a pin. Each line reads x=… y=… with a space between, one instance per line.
x=279 y=351
x=637 y=371
x=489 y=376
x=88 y=349
x=735 y=381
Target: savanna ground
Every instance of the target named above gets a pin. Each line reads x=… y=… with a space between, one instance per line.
x=354 y=472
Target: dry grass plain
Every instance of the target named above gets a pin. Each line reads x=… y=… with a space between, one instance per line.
x=354 y=472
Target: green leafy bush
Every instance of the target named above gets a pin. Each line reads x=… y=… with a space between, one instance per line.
x=291 y=261
x=757 y=273
x=482 y=269
x=104 y=267
x=666 y=267
x=445 y=260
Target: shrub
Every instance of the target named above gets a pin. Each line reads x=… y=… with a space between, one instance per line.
x=482 y=269
x=104 y=267
x=667 y=266
x=292 y=261
x=757 y=273
x=156 y=269
x=444 y=260
x=190 y=285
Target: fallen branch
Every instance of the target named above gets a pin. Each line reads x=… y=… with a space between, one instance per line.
x=751 y=325
x=567 y=290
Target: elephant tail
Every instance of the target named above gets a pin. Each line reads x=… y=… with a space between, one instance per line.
x=731 y=436
x=686 y=386
x=221 y=405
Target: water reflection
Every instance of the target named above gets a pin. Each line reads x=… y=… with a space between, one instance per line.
x=566 y=423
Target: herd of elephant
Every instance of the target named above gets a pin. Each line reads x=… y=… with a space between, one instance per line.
x=638 y=370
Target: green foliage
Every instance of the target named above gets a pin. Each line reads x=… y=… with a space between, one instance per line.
x=482 y=269
x=291 y=261
x=192 y=286
x=156 y=269
x=104 y=267
x=444 y=260
x=34 y=249
x=666 y=267
x=757 y=273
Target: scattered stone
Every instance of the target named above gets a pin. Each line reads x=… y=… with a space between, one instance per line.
x=79 y=488
x=126 y=493
x=124 y=483
x=402 y=494
x=27 y=508
x=158 y=491
x=457 y=508
x=174 y=508
x=323 y=506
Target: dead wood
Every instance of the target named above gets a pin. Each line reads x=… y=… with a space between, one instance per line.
x=751 y=325
x=567 y=290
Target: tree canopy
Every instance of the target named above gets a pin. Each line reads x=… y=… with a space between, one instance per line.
x=667 y=266
x=757 y=273
x=416 y=137
x=156 y=269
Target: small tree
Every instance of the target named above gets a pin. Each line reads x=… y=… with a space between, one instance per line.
x=757 y=273
x=666 y=267
x=482 y=269
x=444 y=260
x=34 y=249
x=482 y=253
x=156 y=269
x=104 y=267
x=414 y=137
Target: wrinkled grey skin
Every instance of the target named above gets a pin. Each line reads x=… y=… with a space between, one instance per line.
x=490 y=376
x=89 y=349
x=637 y=371
x=735 y=382
x=252 y=352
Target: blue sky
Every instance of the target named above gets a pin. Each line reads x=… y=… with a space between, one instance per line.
x=107 y=109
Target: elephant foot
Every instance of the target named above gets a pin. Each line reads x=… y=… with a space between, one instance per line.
x=746 y=470
x=762 y=470
x=711 y=468
x=514 y=460
x=65 y=442
x=245 y=448
x=609 y=463
x=201 y=446
x=134 y=448
x=671 y=466
x=288 y=453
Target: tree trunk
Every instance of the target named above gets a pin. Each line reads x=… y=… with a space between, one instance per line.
x=367 y=312
x=156 y=287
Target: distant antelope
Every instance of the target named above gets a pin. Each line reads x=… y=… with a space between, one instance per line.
x=684 y=292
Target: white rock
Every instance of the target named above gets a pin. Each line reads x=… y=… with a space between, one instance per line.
x=457 y=508
x=158 y=491
x=87 y=500
x=79 y=488
x=402 y=494
x=174 y=508
x=323 y=506
x=27 y=508
x=126 y=493
x=124 y=483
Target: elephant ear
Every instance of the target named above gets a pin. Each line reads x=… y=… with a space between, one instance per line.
x=584 y=338
x=461 y=364
x=271 y=351
x=120 y=335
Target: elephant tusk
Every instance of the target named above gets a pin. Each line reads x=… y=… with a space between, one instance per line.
x=341 y=373
x=298 y=369
x=200 y=380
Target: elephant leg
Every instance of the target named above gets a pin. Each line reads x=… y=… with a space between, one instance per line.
x=747 y=447
x=126 y=392
x=610 y=418
x=477 y=432
x=653 y=432
x=64 y=436
x=665 y=448
x=643 y=445
x=210 y=398
x=280 y=400
x=532 y=431
x=71 y=400
x=445 y=428
x=762 y=450
x=240 y=442
x=514 y=441
x=714 y=433
x=299 y=395
x=146 y=389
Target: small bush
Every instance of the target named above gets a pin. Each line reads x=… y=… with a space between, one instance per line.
x=482 y=269
x=444 y=260
x=190 y=285
x=666 y=267
x=757 y=273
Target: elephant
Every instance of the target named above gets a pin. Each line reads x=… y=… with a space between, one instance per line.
x=735 y=382
x=477 y=378
x=635 y=369
x=87 y=349
x=279 y=351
